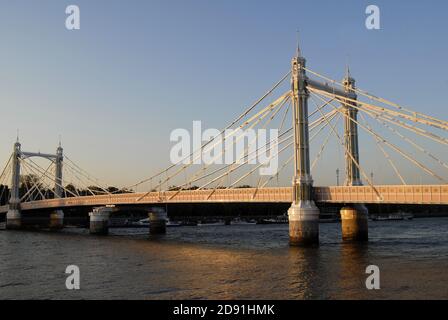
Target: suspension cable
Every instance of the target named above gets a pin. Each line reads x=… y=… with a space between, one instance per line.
x=327 y=139
x=72 y=165
x=35 y=183
x=39 y=169
x=386 y=117
x=405 y=155
x=6 y=166
x=252 y=142
x=240 y=137
x=347 y=151
x=259 y=165
x=241 y=116
x=413 y=143
x=386 y=154
x=440 y=123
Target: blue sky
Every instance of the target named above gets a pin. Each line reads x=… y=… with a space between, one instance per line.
x=137 y=70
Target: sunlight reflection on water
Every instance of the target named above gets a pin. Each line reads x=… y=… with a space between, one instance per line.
x=227 y=262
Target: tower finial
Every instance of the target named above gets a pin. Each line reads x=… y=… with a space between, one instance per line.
x=299 y=52
x=347 y=71
x=347 y=67
x=60 y=141
x=17 y=139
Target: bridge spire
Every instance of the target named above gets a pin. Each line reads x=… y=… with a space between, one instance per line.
x=298 y=53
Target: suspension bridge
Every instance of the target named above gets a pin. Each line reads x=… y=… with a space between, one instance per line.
x=340 y=111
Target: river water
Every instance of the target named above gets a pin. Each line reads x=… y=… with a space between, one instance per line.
x=227 y=262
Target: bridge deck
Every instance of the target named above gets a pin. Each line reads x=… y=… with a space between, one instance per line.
x=426 y=194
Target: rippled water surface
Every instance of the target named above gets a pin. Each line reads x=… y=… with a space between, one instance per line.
x=227 y=262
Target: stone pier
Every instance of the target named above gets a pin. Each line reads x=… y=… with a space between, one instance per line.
x=13 y=219
x=157 y=221
x=354 y=221
x=56 y=220
x=99 y=220
x=303 y=224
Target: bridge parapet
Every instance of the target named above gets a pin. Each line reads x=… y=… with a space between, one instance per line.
x=416 y=194
x=429 y=194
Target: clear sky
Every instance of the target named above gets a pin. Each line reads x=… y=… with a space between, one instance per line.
x=136 y=70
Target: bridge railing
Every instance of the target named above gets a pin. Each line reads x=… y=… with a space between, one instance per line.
x=417 y=194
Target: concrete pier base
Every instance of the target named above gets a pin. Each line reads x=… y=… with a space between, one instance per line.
x=13 y=219
x=157 y=221
x=303 y=224
x=99 y=220
x=56 y=220
x=354 y=221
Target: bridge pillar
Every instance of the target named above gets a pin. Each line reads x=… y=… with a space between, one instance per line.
x=303 y=214
x=99 y=220
x=14 y=217
x=157 y=221
x=354 y=221
x=352 y=176
x=354 y=218
x=57 y=220
x=57 y=216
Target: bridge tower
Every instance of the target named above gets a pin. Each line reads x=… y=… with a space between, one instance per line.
x=352 y=177
x=58 y=191
x=13 y=217
x=353 y=217
x=303 y=213
x=57 y=216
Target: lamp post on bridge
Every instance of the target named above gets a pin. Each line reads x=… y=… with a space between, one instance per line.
x=303 y=214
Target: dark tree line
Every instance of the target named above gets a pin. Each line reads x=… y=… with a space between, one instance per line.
x=4 y=194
